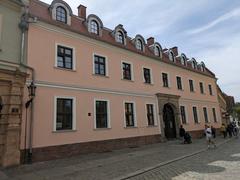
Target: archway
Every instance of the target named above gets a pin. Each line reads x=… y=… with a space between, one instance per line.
x=169 y=122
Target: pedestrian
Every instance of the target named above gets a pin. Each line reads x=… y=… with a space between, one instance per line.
x=182 y=133
x=209 y=139
x=213 y=132
x=229 y=130
x=223 y=130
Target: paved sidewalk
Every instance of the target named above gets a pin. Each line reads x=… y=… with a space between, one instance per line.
x=104 y=166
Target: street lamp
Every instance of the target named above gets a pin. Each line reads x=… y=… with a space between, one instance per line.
x=31 y=90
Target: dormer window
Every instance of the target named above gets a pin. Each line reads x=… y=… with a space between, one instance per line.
x=94 y=28
x=157 y=51
x=120 y=37
x=171 y=56
x=139 y=45
x=61 y=14
x=183 y=60
x=194 y=64
x=202 y=66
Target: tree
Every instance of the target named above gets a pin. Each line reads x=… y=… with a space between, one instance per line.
x=236 y=111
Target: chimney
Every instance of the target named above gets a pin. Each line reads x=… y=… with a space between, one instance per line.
x=175 y=50
x=82 y=11
x=150 y=41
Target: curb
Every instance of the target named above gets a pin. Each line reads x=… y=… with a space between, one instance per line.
x=142 y=171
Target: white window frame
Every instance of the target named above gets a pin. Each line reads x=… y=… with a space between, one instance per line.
x=181 y=82
x=204 y=89
x=73 y=56
x=186 y=113
x=169 y=82
x=211 y=88
x=132 y=70
x=73 y=113
x=199 y=118
x=151 y=74
x=194 y=87
x=106 y=63
x=135 y=114
x=108 y=113
x=209 y=121
x=154 y=113
x=215 y=114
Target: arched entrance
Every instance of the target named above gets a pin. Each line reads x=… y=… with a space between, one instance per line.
x=169 y=122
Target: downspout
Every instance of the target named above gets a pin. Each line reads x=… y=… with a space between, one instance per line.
x=24 y=25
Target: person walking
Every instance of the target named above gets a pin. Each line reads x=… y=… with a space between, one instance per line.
x=182 y=133
x=213 y=132
x=223 y=130
x=209 y=136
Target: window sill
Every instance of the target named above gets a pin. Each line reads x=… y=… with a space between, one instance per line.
x=150 y=84
x=130 y=127
x=152 y=126
x=166 y=87
x=128 y=80
x=181 y=89
x=65 y=69
x=99 y=75
x=101 y=129
x=64 y=131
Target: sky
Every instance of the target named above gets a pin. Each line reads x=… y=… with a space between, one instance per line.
x=207 y=30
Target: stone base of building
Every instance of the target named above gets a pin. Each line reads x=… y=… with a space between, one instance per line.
x=69 y=150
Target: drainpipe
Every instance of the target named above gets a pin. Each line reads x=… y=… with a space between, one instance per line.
x=24 y=25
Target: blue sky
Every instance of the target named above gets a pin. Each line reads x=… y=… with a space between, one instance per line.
x=206 y=30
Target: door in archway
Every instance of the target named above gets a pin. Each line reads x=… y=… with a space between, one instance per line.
x=169 y=121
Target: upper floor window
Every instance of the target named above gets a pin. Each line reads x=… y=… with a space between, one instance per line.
x=120 y=37
x=100 y=65
x=129 y=114
x=94 y=27
x=205 y=114
x=64 y=57
x=183 y=114
x=139 y=45
x=201 y=88
x=214 y=114
x=101 y=114
x=191 y=86
x=165 y=80
x=126 y=70
x=194 y=64
x=179 y=83
x=150 y=114
x=171 y=56
x=61 y=14
x=157 y=51
x=210 y=89
x=147 y=75
x=183 y=60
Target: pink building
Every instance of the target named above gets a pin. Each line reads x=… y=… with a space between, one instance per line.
x=98 y=89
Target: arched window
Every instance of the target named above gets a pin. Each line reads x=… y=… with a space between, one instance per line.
x=94 y=28
x=120 y=37
x=183 y=60
x=157 y=51
x=194 y=64
x=139 y=45
x=171 y=56
x=61 y=14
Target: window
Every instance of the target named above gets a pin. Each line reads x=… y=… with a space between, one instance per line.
x=183 y=60
x=139 y=45
x=195 y=114
x=210 y=89
x=191 y=86
x=64 y=114
x=120 y=37
x=126 y=68
x=183 y=114
x=61 y=14
x=101 y=114
x=64 y=57
x=147 y=75
x=150 y=114
x=194 y=64
x=205 y=114
x=100 y=65
x=201 y=88
x=165 y=79
x=171 y=56
x=157 y=51
x=179 y=83
x=214 y=114
x=94 y=28
x=129 y=115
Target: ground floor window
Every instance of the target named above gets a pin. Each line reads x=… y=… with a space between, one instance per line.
x=183 y=114
x=150 y=114
x=64 y=114
x=214 y=114
x=205 y=114
x=129 y=114
x=101 y=114
x=195 y=114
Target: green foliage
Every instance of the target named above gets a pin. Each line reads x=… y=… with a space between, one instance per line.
x=236 y=110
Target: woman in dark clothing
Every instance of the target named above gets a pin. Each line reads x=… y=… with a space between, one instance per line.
x=182 y=133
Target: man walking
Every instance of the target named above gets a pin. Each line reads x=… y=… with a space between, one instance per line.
x=209 y=137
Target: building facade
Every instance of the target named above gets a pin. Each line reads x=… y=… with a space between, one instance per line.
x=98 y=89
x=12 y=80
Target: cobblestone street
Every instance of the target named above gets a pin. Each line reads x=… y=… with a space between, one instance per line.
x=223 y=162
